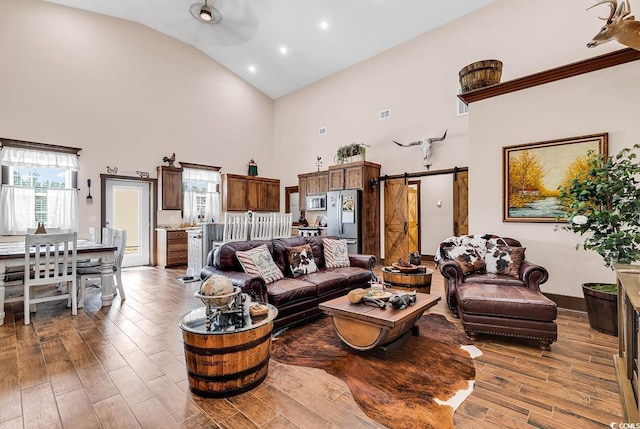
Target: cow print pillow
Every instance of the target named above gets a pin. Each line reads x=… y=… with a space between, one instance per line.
x=504 y=259
x=467 y=251
x=301 y=260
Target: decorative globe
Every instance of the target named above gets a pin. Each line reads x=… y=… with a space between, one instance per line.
x=218 y=291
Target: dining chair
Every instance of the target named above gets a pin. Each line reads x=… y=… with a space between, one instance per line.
x=50 y=259
x=262 y=226
x=236 y=227
x=110 y=237
x=282 y=225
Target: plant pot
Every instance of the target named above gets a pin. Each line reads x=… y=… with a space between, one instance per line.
x=602 y=309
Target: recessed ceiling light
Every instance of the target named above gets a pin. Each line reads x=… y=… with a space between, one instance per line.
x=324 y=25
x=252 y=69
x=283 y=49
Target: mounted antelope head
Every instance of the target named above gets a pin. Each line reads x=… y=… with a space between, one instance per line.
x=426 y=147
x=621 y=27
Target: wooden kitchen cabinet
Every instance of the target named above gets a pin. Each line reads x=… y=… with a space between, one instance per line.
x=242 y=193
x=234 y=192
x=263 y=195
x=302 y=192
x=170 y=187
x=351 y=176
x=172 y=247
x=317 y=183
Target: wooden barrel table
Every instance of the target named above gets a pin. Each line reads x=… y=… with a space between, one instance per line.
x=419 y=280
x=228 y=362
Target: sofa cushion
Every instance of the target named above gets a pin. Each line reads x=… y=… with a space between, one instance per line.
x=327 y=281
x=336 y=253
x=356 y=276
x=287 y=290
x=495 y=279
x=259 y=261
x=504 y=259
x=505 y=301
x=301 y=260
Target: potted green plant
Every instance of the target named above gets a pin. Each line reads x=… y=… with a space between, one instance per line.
x=603 y=206
x=347 y=151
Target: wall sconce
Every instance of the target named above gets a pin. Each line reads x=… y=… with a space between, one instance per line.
x=439 y=204
x=373 y=182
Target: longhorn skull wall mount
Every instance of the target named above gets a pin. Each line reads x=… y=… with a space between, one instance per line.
x=426 y=145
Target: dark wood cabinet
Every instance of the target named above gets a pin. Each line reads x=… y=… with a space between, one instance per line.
x=170 y=187
x=172 y=248
x=336 y=179
x=242 y=193
x=349 y=176
x=234 y=193
x=263 y=195
x=317 y=183
x=302 y=192
x=626 y=361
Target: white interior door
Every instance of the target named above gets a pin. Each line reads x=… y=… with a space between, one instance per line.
x=127 y=207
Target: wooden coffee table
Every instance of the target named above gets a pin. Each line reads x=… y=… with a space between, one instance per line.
x=378 y=331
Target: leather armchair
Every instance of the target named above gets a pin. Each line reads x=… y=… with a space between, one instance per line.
x=530 y=275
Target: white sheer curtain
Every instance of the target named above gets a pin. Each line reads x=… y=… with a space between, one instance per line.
x=19 y=157
x=18 y=203
x=190 y=206
x=194 y=180
x=62 y=209
x=18 y=208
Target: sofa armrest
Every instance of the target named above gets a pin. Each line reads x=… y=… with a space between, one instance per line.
x=367 y=262
x=451 y=270
x=251 y=284
x=533 y=275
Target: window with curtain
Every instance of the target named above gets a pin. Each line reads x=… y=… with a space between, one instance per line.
x=201 y=192
x=38 y=186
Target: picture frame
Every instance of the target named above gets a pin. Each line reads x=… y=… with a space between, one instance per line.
x=533 y=172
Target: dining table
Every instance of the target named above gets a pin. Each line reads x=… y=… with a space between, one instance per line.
x=12 y=254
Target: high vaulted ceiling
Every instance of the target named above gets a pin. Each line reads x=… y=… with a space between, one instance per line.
x=354 y=31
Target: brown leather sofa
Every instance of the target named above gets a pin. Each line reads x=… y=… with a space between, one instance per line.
x=500 y=304
x=296 y=299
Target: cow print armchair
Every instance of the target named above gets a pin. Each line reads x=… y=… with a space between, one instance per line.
x=487 y=259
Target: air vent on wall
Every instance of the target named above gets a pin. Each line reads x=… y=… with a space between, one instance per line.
x=384 y=114
x=322 y=131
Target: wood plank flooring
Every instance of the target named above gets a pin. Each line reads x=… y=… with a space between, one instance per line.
x=123 y=366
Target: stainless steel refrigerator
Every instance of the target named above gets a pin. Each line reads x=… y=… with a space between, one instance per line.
x=343 y=217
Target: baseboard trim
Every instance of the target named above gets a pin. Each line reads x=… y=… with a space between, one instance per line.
x=568 y=302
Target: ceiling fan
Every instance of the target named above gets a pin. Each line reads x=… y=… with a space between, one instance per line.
x=225 y=22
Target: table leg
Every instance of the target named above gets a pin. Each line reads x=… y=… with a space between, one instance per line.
x=106 y=279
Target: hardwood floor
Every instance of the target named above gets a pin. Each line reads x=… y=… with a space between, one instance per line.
x=123 y=366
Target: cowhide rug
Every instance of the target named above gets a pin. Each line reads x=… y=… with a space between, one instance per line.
x=406 y=391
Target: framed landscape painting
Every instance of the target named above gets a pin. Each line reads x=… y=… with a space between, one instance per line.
x=533 y=172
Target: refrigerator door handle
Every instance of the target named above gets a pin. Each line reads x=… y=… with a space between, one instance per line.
x=341 y=230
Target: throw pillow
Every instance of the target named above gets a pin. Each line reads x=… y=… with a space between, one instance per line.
x=259 y=261
x=336 y=253
x=468 y=251
x=300 y=260
x=504 y=260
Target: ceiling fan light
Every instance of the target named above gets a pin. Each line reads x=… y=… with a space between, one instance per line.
x=205 y=13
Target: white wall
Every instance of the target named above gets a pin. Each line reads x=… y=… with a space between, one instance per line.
x=598 y=102
x=418 y=81
x=124 y=93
